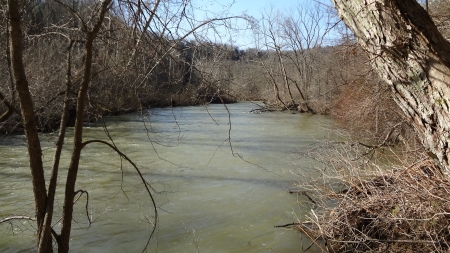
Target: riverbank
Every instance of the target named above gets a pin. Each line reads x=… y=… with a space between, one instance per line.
x=381 y=202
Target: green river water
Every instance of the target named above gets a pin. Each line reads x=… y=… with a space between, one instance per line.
x=208 y=199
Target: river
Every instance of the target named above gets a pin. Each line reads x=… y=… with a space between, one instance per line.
x=211 y=197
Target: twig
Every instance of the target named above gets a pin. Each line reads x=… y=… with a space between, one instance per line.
x=87 y=203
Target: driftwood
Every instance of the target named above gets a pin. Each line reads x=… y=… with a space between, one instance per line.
x=289 y=224
x=304 y=193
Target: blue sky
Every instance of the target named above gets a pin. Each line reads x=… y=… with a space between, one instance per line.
x=214 y=8
x=254 y=7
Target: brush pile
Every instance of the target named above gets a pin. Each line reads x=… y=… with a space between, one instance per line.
x=404 y=210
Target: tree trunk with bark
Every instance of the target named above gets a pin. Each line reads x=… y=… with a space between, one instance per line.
x=411 y=55
x=44 y=203
x=26 y=105
x=64 y=238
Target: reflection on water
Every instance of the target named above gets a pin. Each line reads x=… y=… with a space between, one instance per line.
x=211 y=196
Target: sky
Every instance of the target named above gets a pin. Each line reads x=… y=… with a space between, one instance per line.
x=244 y=39
x=254 y=7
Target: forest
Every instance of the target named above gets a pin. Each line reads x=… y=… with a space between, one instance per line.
x=69 y=62
x=298 y=69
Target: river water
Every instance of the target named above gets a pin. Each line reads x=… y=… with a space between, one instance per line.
x=211 y=197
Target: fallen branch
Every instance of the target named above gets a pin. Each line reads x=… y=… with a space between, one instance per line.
x=16 y=218
x=304 y=193
x=288 y=225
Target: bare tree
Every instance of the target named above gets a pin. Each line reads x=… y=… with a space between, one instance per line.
x=304 y=32
x=44 y=200
x=295 y=40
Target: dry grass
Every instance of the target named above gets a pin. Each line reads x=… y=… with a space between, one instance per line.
x=359 y=205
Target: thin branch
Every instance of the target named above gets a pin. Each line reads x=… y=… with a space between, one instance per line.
x=105 y=129
x=146 y=185
x=87 y=203
x=16 y=218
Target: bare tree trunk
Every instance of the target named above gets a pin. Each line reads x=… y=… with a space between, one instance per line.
x=414 y=58
x=285 y=76
x=46 y=238
x=26 y=105
x=78 y=131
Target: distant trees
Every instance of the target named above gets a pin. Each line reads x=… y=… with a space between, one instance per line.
x=293 y=65
x=296 y=68
x=132 y=67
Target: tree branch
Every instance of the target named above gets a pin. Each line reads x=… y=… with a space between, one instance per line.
x=146 y=185
x=87 y=203
x=16 y=218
